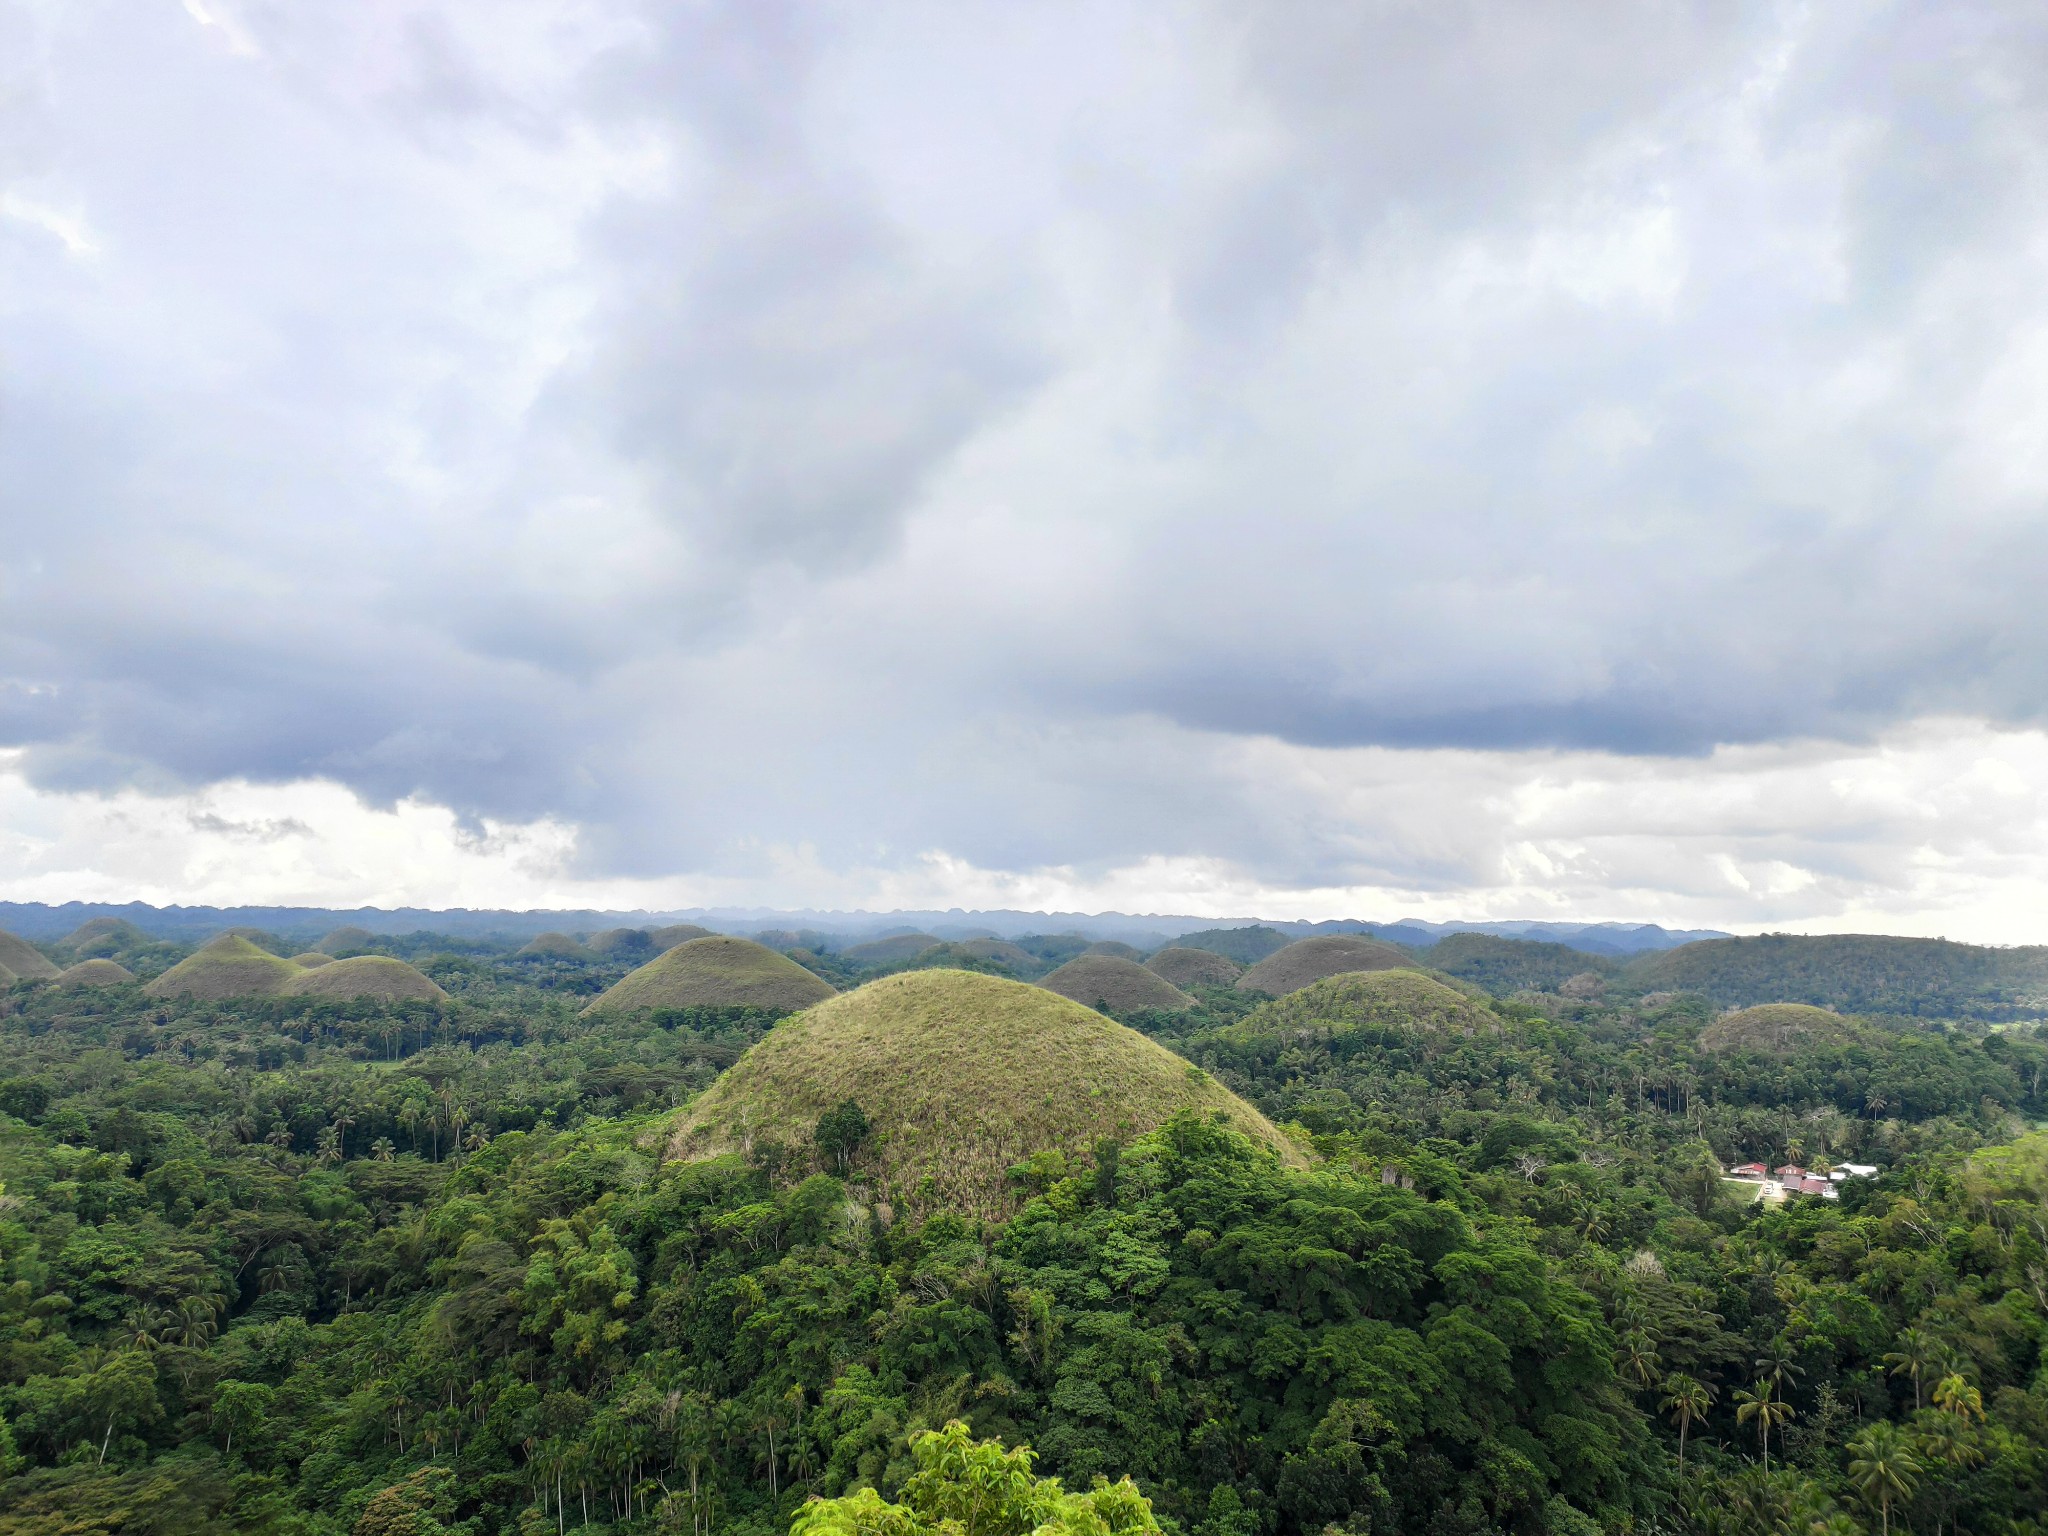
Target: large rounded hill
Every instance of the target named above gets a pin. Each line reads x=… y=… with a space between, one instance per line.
x=225 y=967
x=961 y=1076
x=715 y=972
x=96 y=973
x=375 y=978
x=1113 y=982
x=1776 y=1029
x=1194 y=967
x=898 y=946
x=23 y=959
x=101 y=936
x=1402 y=1001
x=1312 y=960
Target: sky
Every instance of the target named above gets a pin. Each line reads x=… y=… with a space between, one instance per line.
x=1457 y=460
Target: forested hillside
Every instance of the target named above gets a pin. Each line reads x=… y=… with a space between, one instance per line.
x=1860 y=973
x=305 y=1264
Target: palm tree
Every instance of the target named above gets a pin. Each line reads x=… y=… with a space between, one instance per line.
x=1954 y=1394
x=1882 y=1468
x=383 y=1149
x=1686 y=1399
x=1916 y=1357
x=195 y=1321
x=1776 y=1365
x=1637 y=1358
x=1767 y=1409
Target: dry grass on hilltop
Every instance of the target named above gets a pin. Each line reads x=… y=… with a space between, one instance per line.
x=961 y=1076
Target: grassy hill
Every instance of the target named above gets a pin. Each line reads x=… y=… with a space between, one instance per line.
x=1115 y=947
x=960 y=1076
x=622 y=944
x=377 y=977
x=715 y=972
x=95 y=973
x=312 y=959
x=1114 y=983
x=1185 y=967
x=1398 y=1000
x=998 y=951
x=24 y=959
x=553 y=946
x=1503 y=966
x=1247 y=946
x=228 y=966
x=103 y=936
x=1312 y=960
x=1777 y=1029
x=898 y=946
x=1857 y=973
x=345 y=940
x=668 y=938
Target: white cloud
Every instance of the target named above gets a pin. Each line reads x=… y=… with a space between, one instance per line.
x=69 y=229
x=1940 y=829
x=1446 y=458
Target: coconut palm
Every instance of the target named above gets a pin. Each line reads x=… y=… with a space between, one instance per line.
x=1769 y=1411
x=1687 y=1399
x=1636 y=1359
x=1882 y=1469
x=1954 y=1394
x=1776 y=1365
x=1917 y=1356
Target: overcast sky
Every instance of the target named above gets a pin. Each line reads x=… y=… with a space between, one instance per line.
x=1460 y=460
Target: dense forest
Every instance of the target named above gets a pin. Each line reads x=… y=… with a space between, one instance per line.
x=300 y=1264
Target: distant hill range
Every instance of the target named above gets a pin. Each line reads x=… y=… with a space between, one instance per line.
x=1851 y=973
x=43 y=922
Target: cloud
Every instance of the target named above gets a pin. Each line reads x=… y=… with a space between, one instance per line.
x=773 y=442
x=1939 y=829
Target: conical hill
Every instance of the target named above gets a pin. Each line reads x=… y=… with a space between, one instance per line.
x=24 y=959
x=225 y=967
x=1311 y=960
x=1404 y=1001
x=1112 y=982
x=961 y=1076
x=715 y=972
x=1190 y=967
x=1776 y=1029
x=378 y=978
x=95 y=973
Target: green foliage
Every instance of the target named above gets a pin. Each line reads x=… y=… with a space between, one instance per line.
x=331 y=1266
x=1857 y=973
x=1503 y=966
x=976 y=1488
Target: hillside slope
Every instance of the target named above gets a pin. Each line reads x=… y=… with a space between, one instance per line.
x=961 y=1076
x=715 y=972
x=1503 y=966
x=1777 y=1029
x=1313 y=960
x=229 y=966
x=1395 y=999
x=1857 y=973
x=1186 y=967
x=378 y=978
x=24 y=960
x=1114 y=982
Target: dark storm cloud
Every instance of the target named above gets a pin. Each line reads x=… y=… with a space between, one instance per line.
x=737 y=427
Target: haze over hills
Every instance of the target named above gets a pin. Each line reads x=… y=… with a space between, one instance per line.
x=43 y=921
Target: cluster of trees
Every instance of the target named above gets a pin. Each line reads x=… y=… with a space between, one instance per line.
x=307 y=1268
